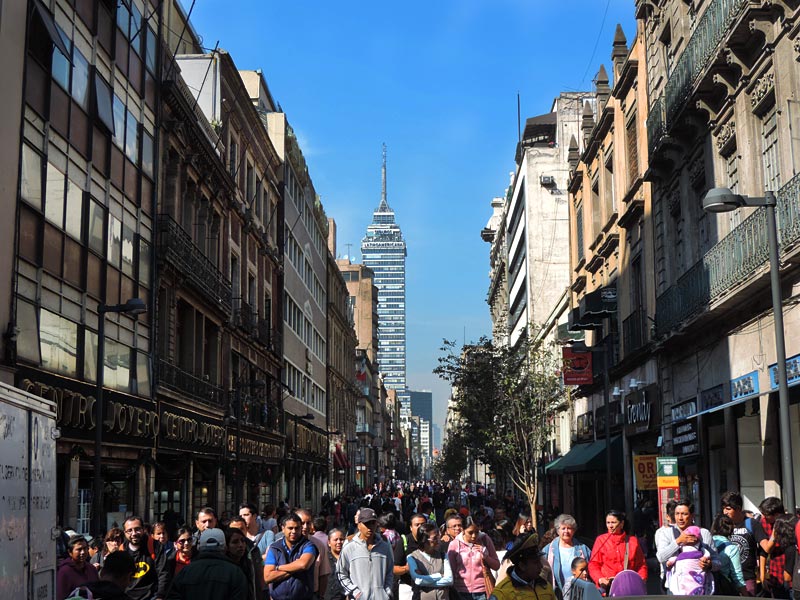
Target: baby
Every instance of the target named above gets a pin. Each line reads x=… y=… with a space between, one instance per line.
x=685 y=576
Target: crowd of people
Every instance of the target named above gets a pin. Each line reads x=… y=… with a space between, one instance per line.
x=425 y=541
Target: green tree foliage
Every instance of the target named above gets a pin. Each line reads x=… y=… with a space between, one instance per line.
x=505 y=401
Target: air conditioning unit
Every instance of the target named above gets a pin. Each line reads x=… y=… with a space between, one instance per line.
x=547 y=180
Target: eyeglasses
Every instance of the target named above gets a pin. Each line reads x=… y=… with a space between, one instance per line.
x=184 y=541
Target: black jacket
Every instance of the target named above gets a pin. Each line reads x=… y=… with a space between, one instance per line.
x=210 y=576
x=107 y=590
x=152 y=577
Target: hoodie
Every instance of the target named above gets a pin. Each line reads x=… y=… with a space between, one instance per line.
x=70 y=576
x=365 y=572
x=151 y=578
x=107 y=590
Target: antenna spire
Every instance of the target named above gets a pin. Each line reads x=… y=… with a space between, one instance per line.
x=383 y=176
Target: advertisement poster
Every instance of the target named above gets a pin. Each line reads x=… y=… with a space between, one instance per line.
x=668 y=484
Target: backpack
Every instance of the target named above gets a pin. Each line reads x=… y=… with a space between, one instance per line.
x=723 y=586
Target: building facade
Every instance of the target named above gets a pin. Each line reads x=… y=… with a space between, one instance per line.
x=611 y=295
x=722 y=85
x=342 y=390
x=85 y=227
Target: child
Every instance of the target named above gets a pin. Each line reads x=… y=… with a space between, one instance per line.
x=685 y=575
x=580 y=570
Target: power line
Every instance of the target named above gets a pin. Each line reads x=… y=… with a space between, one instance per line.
x=596 y=42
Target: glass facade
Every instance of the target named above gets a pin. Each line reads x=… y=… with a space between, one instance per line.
x=383 y=250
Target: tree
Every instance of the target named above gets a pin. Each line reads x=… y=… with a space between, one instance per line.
x=506 y=400
x=452 y=460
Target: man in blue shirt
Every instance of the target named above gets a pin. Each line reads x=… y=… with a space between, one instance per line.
x=289 y=565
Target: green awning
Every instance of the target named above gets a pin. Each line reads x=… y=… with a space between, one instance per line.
x=552 y=464
x=590 y=456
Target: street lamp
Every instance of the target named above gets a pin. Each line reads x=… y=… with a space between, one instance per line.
x=605 y=351
x=257 y=384
x=723 y=200
x=306 y=417
x=133 y=307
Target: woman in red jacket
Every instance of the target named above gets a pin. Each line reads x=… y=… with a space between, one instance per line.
x=615 y=551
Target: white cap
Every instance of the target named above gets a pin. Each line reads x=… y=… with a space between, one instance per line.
x=212 y=540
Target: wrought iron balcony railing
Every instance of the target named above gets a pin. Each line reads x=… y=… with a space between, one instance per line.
x=178 y=380
x=711 y=29
x=633 y=331
x=730 y=262
x=178 y=249
x=264 y=332
x=258 y=410
x=656 y=125
x=244 y=315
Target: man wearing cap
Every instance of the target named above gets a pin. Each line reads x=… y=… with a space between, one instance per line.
x=211 y=575
x=523 y=581
x=365 y=564
x=289 y=565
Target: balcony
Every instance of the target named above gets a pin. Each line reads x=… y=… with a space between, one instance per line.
x=244 y=315
x=200 y=390
x=264 y=332
x=633 y=332
x=731 y=262
x=258 y=410
x=176 y=247
x=711 y=29
x=656 y=125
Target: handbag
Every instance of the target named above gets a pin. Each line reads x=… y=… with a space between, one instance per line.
x=488 y=580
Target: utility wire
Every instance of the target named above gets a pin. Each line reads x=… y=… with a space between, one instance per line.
x=596 y=42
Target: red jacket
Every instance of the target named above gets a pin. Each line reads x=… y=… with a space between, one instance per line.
x=608 y=556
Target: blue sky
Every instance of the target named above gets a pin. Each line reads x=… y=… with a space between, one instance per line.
x=436 y=81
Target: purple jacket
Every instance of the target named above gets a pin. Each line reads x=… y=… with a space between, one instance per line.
x=69 y=577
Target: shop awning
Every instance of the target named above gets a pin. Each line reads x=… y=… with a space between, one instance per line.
x=590 y=456
x=340 y=458
x=552 y=464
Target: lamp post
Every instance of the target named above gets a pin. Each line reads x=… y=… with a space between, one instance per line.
x=605 y=350
x=134 y=306
x=307 y=417
x=724 y=200
x=258 y=383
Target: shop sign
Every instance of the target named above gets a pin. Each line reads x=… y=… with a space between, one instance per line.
x=712 y=397
x=183 y=430
x=685 y=441
x=668 y=484
x=792 y=372
x=744 y=386
x=645 y=467
x=684 y=411
x=251 y=447
x=615 y=410
x=577 y=368
x=125 y=418
x=585 y=426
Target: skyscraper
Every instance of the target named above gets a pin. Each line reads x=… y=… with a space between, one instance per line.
x=383 y=249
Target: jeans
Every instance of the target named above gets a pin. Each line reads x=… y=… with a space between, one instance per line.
x=471 y=596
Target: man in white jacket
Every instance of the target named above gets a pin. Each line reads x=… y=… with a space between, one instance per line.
x=365 y=565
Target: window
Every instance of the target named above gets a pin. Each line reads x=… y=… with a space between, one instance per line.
x=150 y=50
x=31 y=180
x=63 y=202
x=104 y=97
x=609 y=202
x=769 y=151
x=732 y=173
x=58 y=341
x=71 y=72
x=119 y=122
x=579 y=231
x=232 y=156
x=632 y=150
x=148 y=153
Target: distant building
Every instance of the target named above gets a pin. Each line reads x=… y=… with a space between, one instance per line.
x=383 y=249
x=422 y=404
